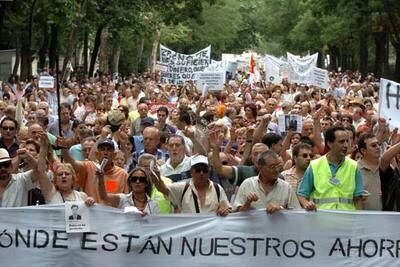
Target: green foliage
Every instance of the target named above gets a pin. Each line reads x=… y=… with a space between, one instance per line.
x=229 y=26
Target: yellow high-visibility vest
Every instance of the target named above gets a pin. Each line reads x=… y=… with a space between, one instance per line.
x=334 y=192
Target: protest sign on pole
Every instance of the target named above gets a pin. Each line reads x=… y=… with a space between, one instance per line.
x=286 y=238
x=182 y=67
x=320 y=78
x=274 y=68
x=389 y=102
x=301 y=68
x=46 y=82
x=210 y=81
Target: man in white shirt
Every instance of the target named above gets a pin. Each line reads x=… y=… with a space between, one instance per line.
x=177 y=167
x=266 y=190
x=199 y=194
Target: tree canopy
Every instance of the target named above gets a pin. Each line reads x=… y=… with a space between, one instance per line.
x=124 y=35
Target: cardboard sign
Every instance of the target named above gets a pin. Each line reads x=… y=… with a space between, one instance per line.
x=46 y=82
x=210 y=81
x=301 y=68
x=182 y=67
x=389 y=102
x=76 y=217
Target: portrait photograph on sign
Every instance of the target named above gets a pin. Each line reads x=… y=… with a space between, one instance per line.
x=76 y=217
x=290 y=123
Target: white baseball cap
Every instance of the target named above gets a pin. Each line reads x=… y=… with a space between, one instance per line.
x=197 y=159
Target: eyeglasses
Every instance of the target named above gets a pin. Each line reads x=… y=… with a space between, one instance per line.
x=135 y=179
x=5 y=128
x=199 y=169
x=345 y=120
x=306 y=155
x=5 y=164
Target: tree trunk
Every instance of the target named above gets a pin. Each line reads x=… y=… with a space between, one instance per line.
x=397 y=67
x=97 y=42
x=333 y=58
x=85 y=51
x=25 y=61
x=103 y=53
x=53 y=48
x=17 y=55
x=69 y=52
x=139 y=54
x=26 y=55
x=72 y=40
x=115 y=56
x=363 y=38
x=380 y=46
x=386 y=66
x=43 y=50
x=154 y=50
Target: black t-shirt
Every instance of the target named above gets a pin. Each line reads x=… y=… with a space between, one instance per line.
x=390 y=187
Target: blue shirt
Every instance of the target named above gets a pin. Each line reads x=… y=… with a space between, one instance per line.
x=307 y=184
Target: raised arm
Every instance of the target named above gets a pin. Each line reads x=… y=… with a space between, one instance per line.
x=382 y=131
x=159 y=183
x=261 y=128
x=317 y=131
x=62 y=142
x=388 y=156
x=248 y=146
x=197 y=146
x=222 y=170
x=46 y=186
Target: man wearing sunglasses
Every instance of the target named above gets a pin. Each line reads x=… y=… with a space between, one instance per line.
x=8 y=139
x=199 y=194
x=369 y=147
x=302 y=154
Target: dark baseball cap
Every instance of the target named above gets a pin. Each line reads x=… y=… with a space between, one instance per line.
x=147 y=121
x=107 y=142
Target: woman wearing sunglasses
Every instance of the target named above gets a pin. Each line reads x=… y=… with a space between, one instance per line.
x=140 y=186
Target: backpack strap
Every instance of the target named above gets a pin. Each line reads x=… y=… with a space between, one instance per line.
x=217 y=190
x=184 y=191
x=195 y=200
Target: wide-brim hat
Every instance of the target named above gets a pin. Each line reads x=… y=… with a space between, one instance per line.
x=4 y=155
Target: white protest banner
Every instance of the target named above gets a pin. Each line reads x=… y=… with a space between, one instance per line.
x=215 y=66
x=46 y=82
x=320 y=78
x=210 y=81
x=274 y=68
x=286 y=238
x=161 y=67
x=181 y=67
x=301 y=68
x=389 y=102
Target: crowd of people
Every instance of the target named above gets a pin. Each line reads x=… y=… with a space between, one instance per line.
x=161 y=148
